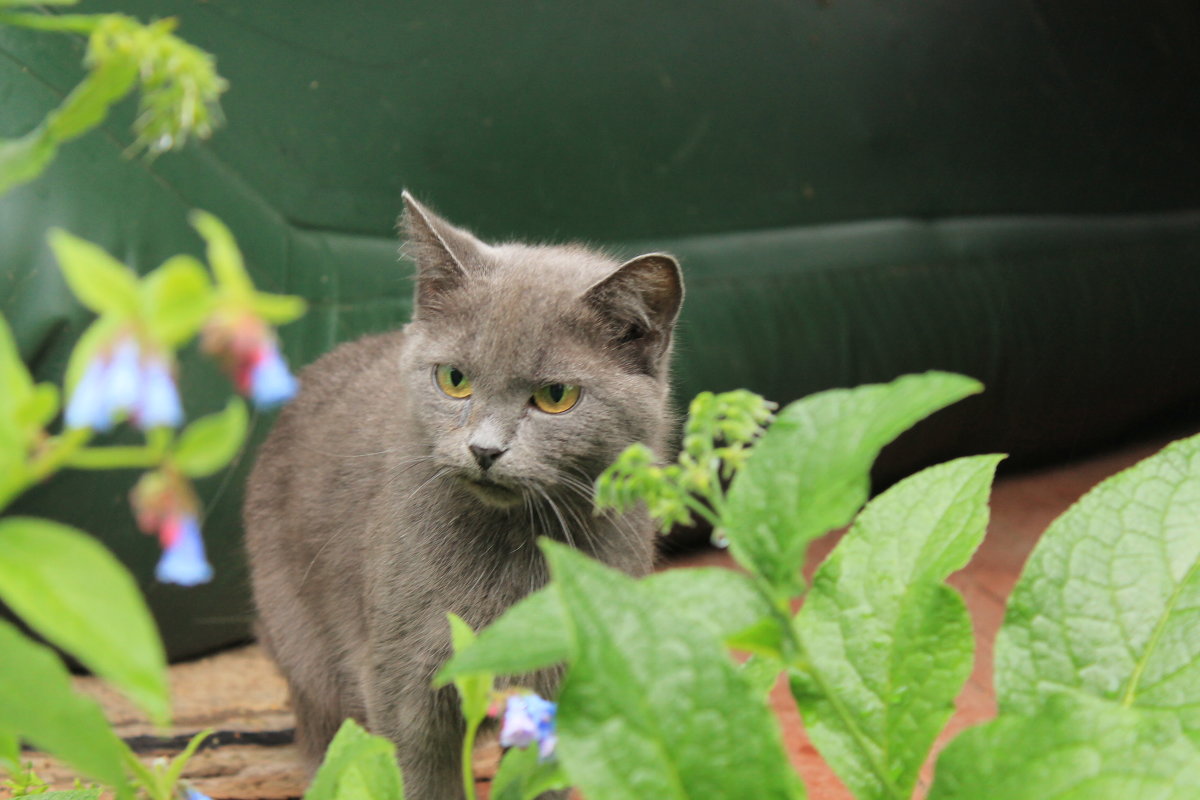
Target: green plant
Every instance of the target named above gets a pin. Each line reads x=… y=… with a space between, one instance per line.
x=179 y=87
x=58 y=580
x=1096 y=667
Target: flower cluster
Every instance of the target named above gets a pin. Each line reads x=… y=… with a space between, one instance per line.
x=126 y=379
x=180 y=85
x=717 y=438
x=164 y=503
x=529 y=718
x=247 y=350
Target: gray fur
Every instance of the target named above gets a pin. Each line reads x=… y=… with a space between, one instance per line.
x=365 y=521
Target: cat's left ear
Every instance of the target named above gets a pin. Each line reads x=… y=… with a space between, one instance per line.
x=444 y=254
x=641 y=301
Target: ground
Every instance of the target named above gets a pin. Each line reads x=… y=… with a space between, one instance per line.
x=239 y=693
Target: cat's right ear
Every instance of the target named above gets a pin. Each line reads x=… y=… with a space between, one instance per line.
x=640 y=301
x=444 y=255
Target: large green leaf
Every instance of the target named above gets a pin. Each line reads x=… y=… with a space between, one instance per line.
x=1109 y=601
x=211 y=442
x=357 y=766
x=66 y=794
x=651 y=705
x=534 y=633
x=10 y=751
x=888 y=645
x=811 y=471
x=98 y=280
x=38 y=703
x=177 y=298
x=70 y=589
x=1073 y=748
x=721 y=600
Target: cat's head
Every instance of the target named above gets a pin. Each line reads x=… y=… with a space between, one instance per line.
x=530 y=368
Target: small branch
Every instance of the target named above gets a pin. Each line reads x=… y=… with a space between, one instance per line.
x=133 y=457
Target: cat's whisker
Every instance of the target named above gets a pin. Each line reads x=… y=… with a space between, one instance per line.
x=528 y=515
x=566 y=529
x=538 y=518
x=328 y=454
x=441 y=473
x=585 y=488
x=397 y=470
x=315 y=558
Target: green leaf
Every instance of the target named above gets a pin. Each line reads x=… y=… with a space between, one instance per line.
x=10 y=751
x=721 y=600
x=67 y=794
x=811 y=471
x=764 y=638
x=88 y=103
x=474 y=690
x=39 y=407
x=523 y=777
x=1109 y=600
x=177 y=298
x=279 y=309
x=533 y=633
x=98 y=280
x=70 y=589
x=38 y=704
x=1073 y=748
x=223 y=255
x=69 y=23
x=16 y=384
x=651 y=705
x=530 y=635
x=175 y=770
x=762 y=672
x=357 y=766
x=888 y=645
x=23 y=159
x=19 y=3
x=211 y=442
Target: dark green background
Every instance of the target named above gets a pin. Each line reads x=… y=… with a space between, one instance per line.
x=856 y=190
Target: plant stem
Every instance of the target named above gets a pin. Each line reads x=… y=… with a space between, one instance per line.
x=72 y=23
x=55 y=457
x=700 y=508
x=468 y=750
x=117 y=457
x=49 y=460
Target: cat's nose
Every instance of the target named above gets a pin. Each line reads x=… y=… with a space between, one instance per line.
x=486 y=456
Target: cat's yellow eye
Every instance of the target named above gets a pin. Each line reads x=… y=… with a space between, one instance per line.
x=453 y=381
x=555 y=398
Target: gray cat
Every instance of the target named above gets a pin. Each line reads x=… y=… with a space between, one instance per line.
x=415 y=470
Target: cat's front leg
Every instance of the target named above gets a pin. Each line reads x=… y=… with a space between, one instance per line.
x=425 y=724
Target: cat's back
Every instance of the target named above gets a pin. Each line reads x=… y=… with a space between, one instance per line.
x=320 y=462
